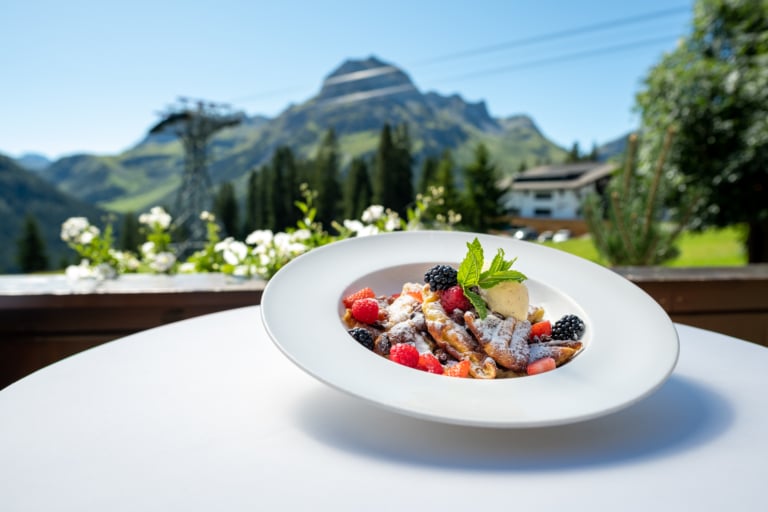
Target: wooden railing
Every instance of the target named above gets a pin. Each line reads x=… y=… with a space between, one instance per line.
x=42 y=319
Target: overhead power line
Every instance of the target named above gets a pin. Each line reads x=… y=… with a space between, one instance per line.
x=596 y=27
x=554 y=35
x=561 y=58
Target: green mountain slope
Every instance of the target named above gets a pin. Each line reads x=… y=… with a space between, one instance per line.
x=23 y=192
x=356 y=99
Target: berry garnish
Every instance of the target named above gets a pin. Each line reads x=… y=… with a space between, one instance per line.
x=453 y=298
x=365 y=293
x=542 y=365
x=541 y=329
x=440 y=277
x=569 y=327
x=362 y=336
x=365 y=310
x=460 y=369
x=405 y=354
x=429 y=363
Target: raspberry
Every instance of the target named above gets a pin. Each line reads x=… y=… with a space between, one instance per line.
x=365 y=310
x=365 y=293
x=440 y=277
x=362 y=336
x=405 y=354
x=453 y=298
x=429 y=363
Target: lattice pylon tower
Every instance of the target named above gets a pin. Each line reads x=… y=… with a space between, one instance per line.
x=195 y=122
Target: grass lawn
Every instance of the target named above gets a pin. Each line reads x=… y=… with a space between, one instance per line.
x=710 y=248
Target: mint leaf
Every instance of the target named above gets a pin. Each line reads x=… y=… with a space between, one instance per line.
x=472 y=266
x=477 y=301
x=471 y=274
x=492 y=280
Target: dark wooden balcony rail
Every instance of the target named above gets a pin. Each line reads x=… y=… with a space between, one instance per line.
x=43 y=319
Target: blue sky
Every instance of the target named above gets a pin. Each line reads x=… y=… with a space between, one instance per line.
x=93 y=76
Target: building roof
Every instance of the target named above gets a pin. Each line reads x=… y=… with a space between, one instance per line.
x=561 y=176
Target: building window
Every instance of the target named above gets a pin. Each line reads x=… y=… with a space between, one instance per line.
x=543 y=195
x=542 y=212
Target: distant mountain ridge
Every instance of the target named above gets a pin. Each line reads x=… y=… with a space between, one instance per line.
x=356 y=99
x=24 y=192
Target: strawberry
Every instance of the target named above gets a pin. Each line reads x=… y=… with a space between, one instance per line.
x=365 y=310
x=429 y=363
x=539 y=329
x=453 y=298
x=365 y=293
x=542 y=365
x=405 y=354
x=460 y=369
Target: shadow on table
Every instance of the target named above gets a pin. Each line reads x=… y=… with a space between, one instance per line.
x=680 y=416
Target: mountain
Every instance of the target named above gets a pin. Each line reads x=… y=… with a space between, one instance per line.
x=356 y=100
x=23 y=192
x=33 y=161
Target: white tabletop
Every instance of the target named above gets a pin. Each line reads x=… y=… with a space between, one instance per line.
x=206 y=414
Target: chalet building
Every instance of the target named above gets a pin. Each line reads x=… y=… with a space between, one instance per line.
x=555 y=191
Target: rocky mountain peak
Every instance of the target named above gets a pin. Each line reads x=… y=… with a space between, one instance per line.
x=357 y=79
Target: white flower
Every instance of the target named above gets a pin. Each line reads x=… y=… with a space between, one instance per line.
x=393 y=221
x=259 y=237
x=157 y=216
x=372 y=213
x=353 y=225
x=81 y=271
x=85 y=237
x=162 y=262
x=300 y=235
x=187 y=268
x=235 y=252
x=368 y=230
x=148 y=248
x=73 y=227
x=207 y=216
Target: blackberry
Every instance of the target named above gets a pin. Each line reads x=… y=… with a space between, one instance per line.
x=362 y=336
x=440 y=277
x=569 y=327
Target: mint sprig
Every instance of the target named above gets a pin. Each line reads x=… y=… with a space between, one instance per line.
x=471 y=274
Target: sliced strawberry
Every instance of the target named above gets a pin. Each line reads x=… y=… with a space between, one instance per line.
x=542 y=365
x=365 y=293
x=460 y=369
x=365 y=310
x=429 y=363
x=543 y=328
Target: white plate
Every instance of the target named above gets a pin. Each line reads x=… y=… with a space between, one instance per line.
x=630 y=344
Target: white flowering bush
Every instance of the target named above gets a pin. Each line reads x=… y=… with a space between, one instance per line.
x=261 y=254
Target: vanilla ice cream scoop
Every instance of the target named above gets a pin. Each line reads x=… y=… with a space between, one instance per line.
x=509 y=298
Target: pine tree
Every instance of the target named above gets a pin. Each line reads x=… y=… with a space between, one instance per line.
x=282 y=190
x=428 y=174
x=226 y=209
x=574 y=155
x=32 y=255
x=382 y=182
x=357 y=189
x=482 y=192
x=445 y=178
x=403 y=170
x=326 y=179
x=130 y=237
x=252 y=203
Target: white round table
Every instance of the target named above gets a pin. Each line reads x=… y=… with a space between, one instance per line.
x=206 y=414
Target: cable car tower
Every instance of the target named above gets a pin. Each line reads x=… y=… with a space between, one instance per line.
x=195 y=122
